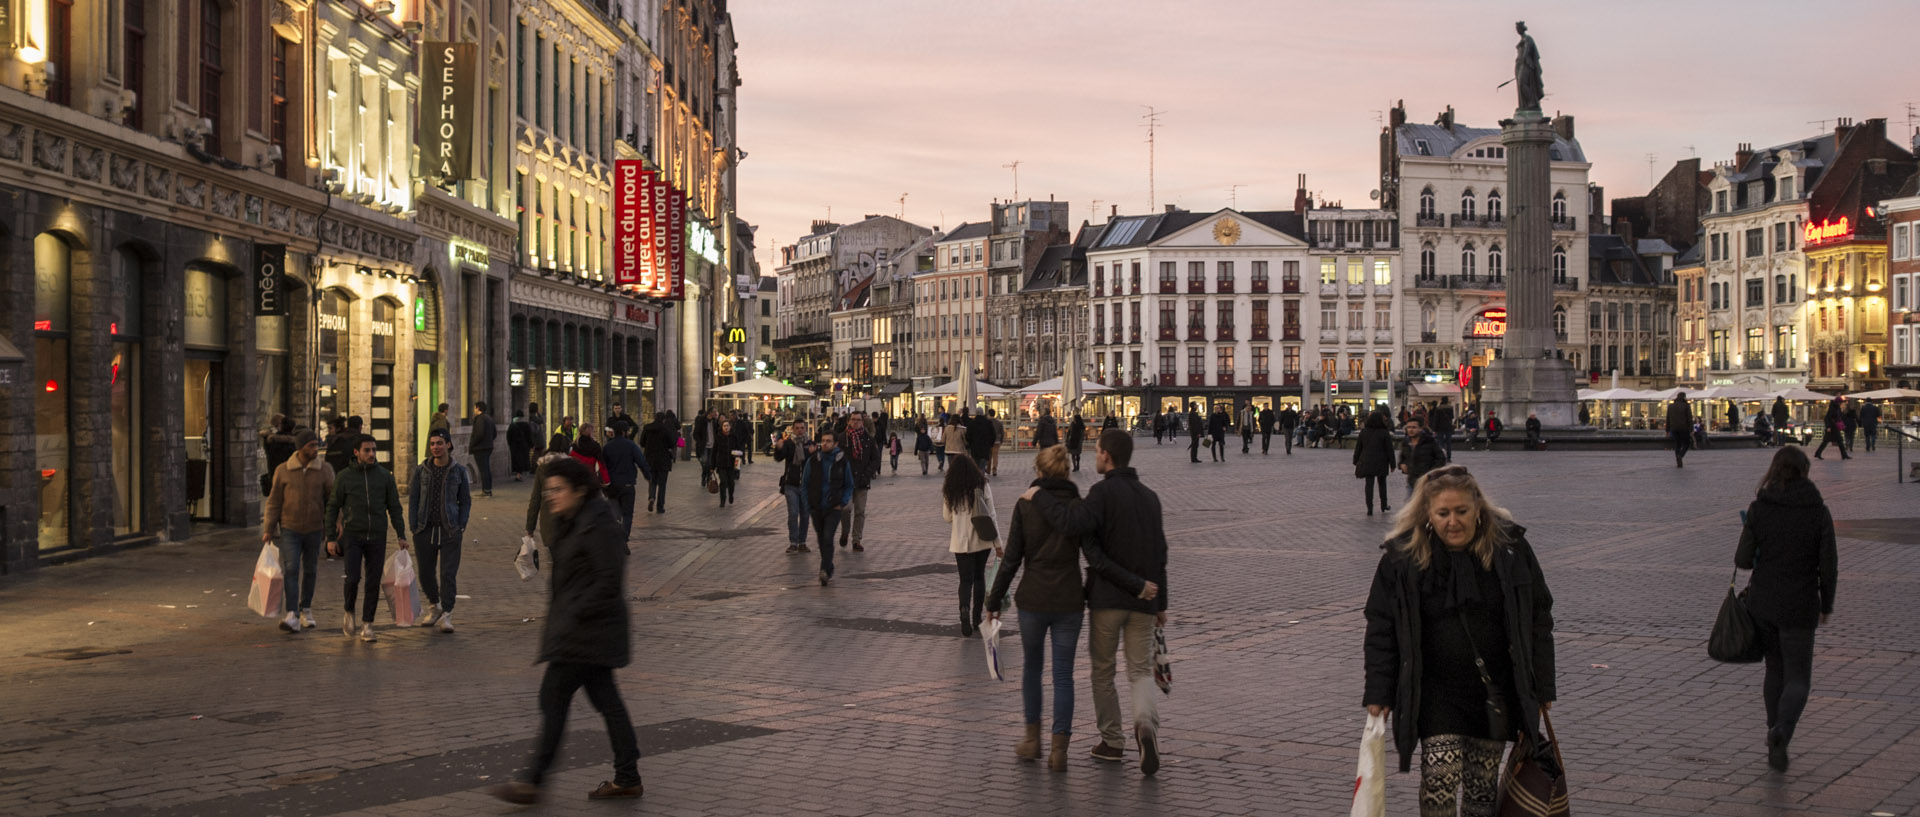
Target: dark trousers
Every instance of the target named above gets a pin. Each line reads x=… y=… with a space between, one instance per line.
x=1380 y=480
x=556 y=697
x=1287 y=433
x=824 y=524
x=1833 y=439
x=622 y=496
x=1682 y=440
x=973 y=584
x=1220 y=447
x=1193 y=448
x=1246 y=440
x=1789 y=674
x=727 y=476
x=483 y=462
x=657 y=490
x=1869 y=432
x=1445 y=439
x=364 y=554
x=1076 y=458
x=438 y=550
x=1266 y=439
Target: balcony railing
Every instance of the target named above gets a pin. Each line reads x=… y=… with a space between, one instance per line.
x=1356 y=336
x=1467 y=221
x=1563 y=223
x=1196 y=333
x=1571 y=284
x=1259 y=285
x=1196 y=379
x=1166 y=378
x=1099 y=336
x=1356 y=290
x=1224 y=378
x=1223 y=333
x=1196 y=287
x=1260 y=378
x=1382 y=336
x=1290 y=285
x=1329 y=336
x=1430 y=220
x=1224 y=285
x=1167 y=333
x=1290 y=379
x=1260 y=333
x=1168 y=287
x=1382 y=289
x=1290 y=332
x=1754 y=363
x=1329 y=290
x=1435 y=282
x=1429 y=337
x=1134 y=335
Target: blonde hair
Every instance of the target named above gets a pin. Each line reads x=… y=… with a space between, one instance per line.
x=1414 y=532
x=1051 y=462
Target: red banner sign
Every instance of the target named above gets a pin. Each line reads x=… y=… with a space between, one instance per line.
x=677 y=244
x=630 y=188
x=658 y=201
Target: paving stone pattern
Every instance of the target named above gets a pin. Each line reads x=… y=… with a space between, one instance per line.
x=138 y=685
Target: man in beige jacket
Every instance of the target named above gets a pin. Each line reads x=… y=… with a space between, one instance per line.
x=296 y=513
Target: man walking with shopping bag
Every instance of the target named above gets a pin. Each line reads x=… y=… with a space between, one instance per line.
x=365 y=498
x=1126 y=590
x=439 y=498
x=296 y=513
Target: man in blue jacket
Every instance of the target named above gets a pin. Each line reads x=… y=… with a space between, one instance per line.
x=626 y=466
x=439 y=496
x=827 y=485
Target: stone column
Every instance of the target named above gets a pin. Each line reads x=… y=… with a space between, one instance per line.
x=1528 y=377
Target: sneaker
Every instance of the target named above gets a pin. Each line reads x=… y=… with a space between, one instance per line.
x=1101 y=751
x=290 y=624
x=366 y=633
x=446 y=622
x=433 y=612
x=1149 y=751
x=610 y=790
x=306 y=619
x=858 y=549
x=823 y=578
x=347 y=624
x=518 y=793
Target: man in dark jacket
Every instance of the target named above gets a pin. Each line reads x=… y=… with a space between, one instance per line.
x=981 y=440
x=1076 y=437
x=1126 y=589
x=363 y=499
x=1869 y=422
x=1834 y=433
x=1046 y=432
x=794 y=449
x=1534 y=440
x=1266 y=429
x=1249 y=417
x=340 y=445
x=1441 y=418
x=619 y=421
x=1419 y=454
x=1288 y=419
x=626 y=465
x=586 y=633
x=1217 y=431
x=1780 y=414
x=863 y=452
x=1679 y=428
x=660 y=441
x=439 y=498
x=519 y=445
x=480 y=445
x=827 y=484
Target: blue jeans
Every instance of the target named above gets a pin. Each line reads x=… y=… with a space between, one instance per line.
x=437 y=552
x=1034 y=630
x=1445 y=439
x=370 y=555
x=825 y=522
x=796 y=515
x=299 y=562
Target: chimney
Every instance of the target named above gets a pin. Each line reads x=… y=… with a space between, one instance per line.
x=1623 y=227
x=1446 y=118
x=1116 y=212
x=1397 y=116
x=1563 y=125
x=1169 y=208
x=1841 y=127
x=1742 y=154
x=1301 y=203
x=1596 y=208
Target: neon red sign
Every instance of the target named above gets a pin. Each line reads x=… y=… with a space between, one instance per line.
x=1826 y=231
x=1489 y=324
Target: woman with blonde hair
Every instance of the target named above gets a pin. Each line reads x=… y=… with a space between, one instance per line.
x=964 y=495
x=1459 y=644
x=1052 y=603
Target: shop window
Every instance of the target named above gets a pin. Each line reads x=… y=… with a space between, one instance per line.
x=52 y=273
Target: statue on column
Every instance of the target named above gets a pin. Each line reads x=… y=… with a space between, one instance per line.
x=1526 y=70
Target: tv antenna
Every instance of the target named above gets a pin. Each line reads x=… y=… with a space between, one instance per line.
x=1652 y=159
x=1821 y=122
x=1153 y=124
x=1094 y=211
x=1233 y=195
x=1015 y=167
x=903 y=207
x=1690 y=151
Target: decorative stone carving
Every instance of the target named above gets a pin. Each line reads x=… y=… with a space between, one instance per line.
x=13 y=139
x=191 y=192
x=125 y=174
x=329 y=231
x=159 y=181
x=349 y=236
x=279 y=217
x=226 y=203
x=255 y=205
x=88 y=162
x=305 y=224
x=49 y=151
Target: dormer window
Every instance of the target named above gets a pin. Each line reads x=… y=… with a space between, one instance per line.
x=1720 y=201
x=1420 y=146
x=1786 y=188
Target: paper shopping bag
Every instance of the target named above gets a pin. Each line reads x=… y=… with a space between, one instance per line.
x=265 y=597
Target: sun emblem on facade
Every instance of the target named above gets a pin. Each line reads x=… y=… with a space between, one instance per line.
x=1226 y=231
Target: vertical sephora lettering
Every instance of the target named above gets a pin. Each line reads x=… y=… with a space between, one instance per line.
x=627 y=183
x=447 y=103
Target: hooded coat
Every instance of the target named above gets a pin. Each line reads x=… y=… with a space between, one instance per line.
x=1050 y=558
x=587 y=620
x=1788 y=542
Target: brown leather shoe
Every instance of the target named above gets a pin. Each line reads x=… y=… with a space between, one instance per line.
x=1057 y=753
x=1029 y=747
x=518 y=793
x=609 y=791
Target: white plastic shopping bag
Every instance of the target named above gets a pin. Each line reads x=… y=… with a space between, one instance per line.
x=528 y=562
x=265 y=597
x=1370 y=783
x=402 y=588
x=990 y=636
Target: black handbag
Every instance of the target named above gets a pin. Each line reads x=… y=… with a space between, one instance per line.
x=1735 y=638
x=1536 y=781
x=983 y=526
x=1498 y=723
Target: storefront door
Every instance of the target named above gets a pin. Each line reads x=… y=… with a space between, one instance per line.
x=203 y=410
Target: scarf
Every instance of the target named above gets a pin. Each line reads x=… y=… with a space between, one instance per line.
x=1451 y=575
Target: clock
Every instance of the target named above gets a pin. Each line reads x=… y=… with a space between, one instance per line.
x=1226 y=231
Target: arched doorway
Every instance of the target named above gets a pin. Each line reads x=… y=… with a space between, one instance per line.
x=125 y=329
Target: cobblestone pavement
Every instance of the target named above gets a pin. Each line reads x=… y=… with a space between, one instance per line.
x=139 y=684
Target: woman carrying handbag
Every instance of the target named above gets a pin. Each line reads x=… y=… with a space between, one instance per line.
x=1459 y=642
x=1788 y=542
x=967 y=504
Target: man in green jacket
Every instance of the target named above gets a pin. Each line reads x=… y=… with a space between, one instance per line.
x=363 y=498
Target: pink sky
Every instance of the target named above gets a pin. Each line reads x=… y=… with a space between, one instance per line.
x=850 y=103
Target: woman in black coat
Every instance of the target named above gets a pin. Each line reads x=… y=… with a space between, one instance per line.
x=1373 y=458
x=1458 y=582
x=1076 y=436
x=1052 y=604
x=726 y=463
x=520 y=445
x=586 y=630
x=1788 y=542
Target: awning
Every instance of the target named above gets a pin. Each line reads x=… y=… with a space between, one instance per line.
x=892 y=389
x=1435 y=390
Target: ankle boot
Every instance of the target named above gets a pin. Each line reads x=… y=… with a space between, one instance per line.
x=1029 y=747
x=1057 y=753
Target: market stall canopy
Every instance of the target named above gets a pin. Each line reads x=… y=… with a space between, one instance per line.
x=980 y=387
x=763 y=386
x=1053 y=387
x=1726 y=393
x=1885 y=394
x=1436 y=390
x=1611 y=394
x=1799 y=394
